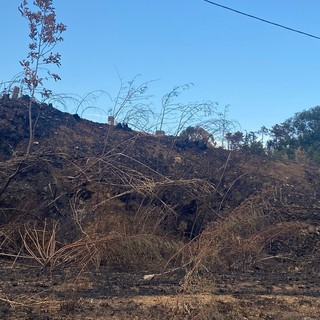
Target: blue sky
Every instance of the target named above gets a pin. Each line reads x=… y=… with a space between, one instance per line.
x=266 y=74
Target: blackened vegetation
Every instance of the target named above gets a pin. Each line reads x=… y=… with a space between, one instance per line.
x=76 y=116
x=194 y=137
x=96 y=182
x=190 y=219
x=123 y=126
x=186 y=143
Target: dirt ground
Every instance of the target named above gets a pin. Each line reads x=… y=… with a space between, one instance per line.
x=29 y=293
x=139 y=200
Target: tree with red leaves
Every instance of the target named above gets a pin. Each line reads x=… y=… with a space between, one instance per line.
x=45 y=33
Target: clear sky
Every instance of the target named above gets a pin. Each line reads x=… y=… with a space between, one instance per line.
x=266 y=74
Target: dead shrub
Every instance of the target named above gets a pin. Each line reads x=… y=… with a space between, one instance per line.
x=9 y=236
x=137 y=252
x=40 y=244
x=239 y=242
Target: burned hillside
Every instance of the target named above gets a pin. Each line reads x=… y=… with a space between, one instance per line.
x=95 y=180
x=95 y=209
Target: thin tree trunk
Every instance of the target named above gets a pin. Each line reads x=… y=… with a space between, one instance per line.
x=30 y=129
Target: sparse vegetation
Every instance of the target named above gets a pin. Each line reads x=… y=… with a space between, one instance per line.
x=195 y=137
x=89 y=198
x=45 y=34
x=98 y=213
x=301 y=132
x=175 y=116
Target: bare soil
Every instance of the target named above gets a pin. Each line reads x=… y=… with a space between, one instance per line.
x=30 y=293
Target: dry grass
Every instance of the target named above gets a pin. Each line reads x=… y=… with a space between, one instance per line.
x=136 y=252
x=147 y=235
x=40 y=244
x=239 y=242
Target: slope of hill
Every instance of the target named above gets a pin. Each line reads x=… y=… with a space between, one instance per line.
x=92 y=196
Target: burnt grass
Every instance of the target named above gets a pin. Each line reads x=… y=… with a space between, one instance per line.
x=94 y=208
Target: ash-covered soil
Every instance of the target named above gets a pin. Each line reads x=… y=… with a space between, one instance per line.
x=94 y=208
x=30 y=293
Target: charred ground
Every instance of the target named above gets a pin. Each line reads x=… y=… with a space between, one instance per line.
x=93 y=201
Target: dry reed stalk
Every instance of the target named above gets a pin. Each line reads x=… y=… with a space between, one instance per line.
x=40 y=244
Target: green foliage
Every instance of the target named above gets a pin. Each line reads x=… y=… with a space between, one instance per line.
x=248 y=142
x=302 y=132
x=252 y=144
x=234 y=140
x=255 y=147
